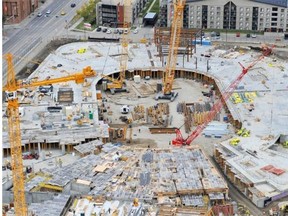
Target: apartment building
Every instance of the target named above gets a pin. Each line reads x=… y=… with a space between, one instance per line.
x=114 y=13
x=15 y=11
x=258 y=15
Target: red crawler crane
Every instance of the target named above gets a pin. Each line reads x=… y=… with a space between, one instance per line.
x=179 y=140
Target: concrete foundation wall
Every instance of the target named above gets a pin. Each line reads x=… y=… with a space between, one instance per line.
x=259 y=202
x=35 y=197
x=82 y=189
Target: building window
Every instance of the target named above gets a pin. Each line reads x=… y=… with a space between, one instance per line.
x=274 y=14
x=191 y=7
x=241 y=14
x=282 y=10
x=274 y=19
x=10 y=9
x=218 y=8
x=262 y=14
x=241 y=18
x=267 y=10
x=212 y=8
x=275 y=9
x=261 y=9
x=267 y=15
x=247 y=9
x=241 y=9
x=247 y=14
x=267 y=20
x=241 y=24
x=198 y=7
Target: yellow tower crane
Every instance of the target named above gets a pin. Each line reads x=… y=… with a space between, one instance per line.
x=14 y=126
x=119 y=85
x=168 y=76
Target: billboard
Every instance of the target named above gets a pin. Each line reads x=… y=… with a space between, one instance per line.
x=280 y=3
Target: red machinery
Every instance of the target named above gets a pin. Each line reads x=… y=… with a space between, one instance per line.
x=218 y=105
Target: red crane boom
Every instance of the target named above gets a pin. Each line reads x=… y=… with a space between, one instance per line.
x=179 y=140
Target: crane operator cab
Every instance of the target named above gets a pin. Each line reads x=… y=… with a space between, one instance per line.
x=11 y=95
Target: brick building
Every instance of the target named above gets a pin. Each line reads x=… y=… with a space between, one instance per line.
x=15 y=11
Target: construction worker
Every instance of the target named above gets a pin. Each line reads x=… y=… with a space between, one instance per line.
x=60 y=163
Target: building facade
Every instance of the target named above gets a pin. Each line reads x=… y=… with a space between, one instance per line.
x=112 y=12
x=15 y=11
x=258 y=15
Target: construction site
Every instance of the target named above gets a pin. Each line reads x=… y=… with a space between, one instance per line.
x=160 y=127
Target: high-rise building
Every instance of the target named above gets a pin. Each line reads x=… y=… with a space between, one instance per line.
x=15 y=11
x=258 y=15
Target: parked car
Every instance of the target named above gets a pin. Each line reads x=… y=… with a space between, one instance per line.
x=115 y=31
x=63 y=13
x=135 y=31
x=217 y=35
x=48 y=11
x=39 y=14
x=104 y=30
x=237 y=34
x=109 y=31
x=98 y=29
x=73 y=5
x=253 y=36
x=120 y=31
x=248 y=35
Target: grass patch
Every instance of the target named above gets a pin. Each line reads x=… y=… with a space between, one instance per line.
x=156 y=7
x=145 y=9
x=81 y=26
x=75 y=19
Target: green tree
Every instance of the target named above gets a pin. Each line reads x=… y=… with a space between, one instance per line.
x=88 y=11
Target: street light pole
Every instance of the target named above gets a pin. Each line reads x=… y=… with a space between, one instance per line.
x=208 y=67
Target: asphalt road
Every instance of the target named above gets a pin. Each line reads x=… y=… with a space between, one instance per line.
x=36 y=30
x=231 y=37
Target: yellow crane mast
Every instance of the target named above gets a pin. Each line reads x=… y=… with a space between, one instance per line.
x=169 y=73
x=118 y=85
x=14 y=126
